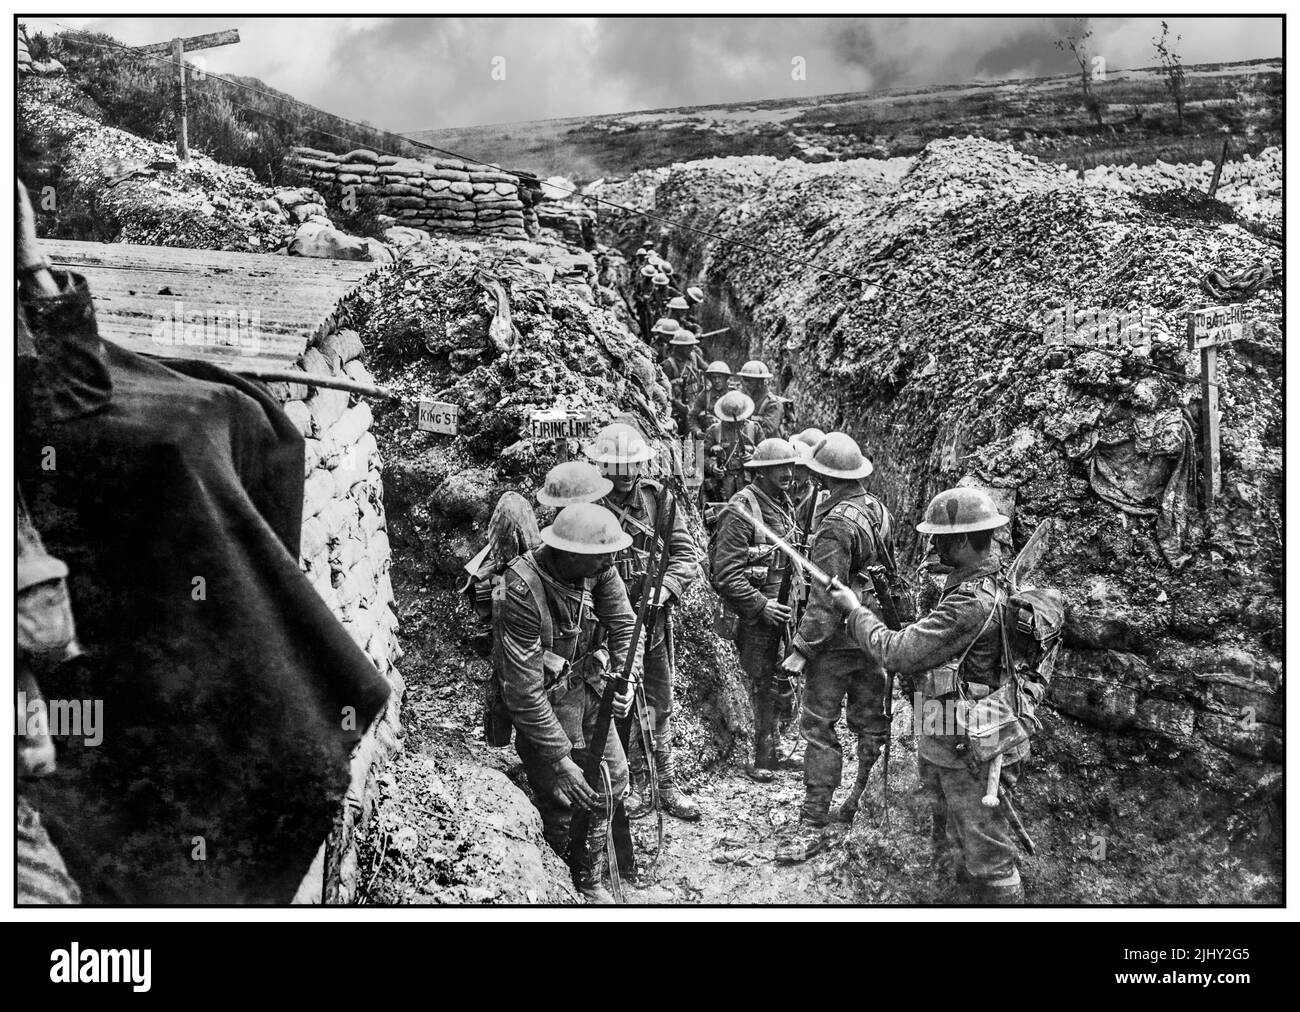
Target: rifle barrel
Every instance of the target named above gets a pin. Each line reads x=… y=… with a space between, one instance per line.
x=815 y=571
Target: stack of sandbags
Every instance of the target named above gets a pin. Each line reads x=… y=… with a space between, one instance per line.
x=346 y=555
x=344 y=545
x=442 y=194
x=26 y=65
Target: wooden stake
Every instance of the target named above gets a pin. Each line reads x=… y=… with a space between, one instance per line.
x=1211 y=479
x=182 y=139
x=1218 y=168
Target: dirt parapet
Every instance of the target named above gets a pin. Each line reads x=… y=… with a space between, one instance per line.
x=928 y=344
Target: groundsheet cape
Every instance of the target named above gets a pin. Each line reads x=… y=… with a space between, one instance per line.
x=232 y=697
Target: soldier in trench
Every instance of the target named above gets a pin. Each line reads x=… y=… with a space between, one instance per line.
x=727 y=445
x=747 y=573
x=701 y=416
x=563 y=619
x=685 y=374
x=961 y=639
x=621 y=453
x=852 y=530
x=768 y=411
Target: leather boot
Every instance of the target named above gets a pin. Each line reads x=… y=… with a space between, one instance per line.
x=1008 y=894
x=675 y=803
x=809 y=837
x=637 y=804
x=849 y=808
x=593 y=861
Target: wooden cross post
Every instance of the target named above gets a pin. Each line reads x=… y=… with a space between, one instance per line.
x=1218 y=168
x=1207 y=330
x=177 y=48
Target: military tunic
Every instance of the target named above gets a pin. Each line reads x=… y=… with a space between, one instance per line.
x=701 y=413
x=747 y=573
x=961 y=624
x=637 y=514
x=727 y=446
x=769 y=413
x=843 y=546
x=687 y=381
x=554 y=716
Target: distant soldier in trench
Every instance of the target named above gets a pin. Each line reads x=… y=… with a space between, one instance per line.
x=643 y=296
x=694 y=320
x=728 y=443
x=563 y=619
x=747 y=573
x=621 y=453
x=701 y=416
x=852 y=530
x=686 y=375
x=660 y=334
x=768 y=411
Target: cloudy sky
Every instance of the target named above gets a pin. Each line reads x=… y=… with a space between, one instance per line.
x=423 y=73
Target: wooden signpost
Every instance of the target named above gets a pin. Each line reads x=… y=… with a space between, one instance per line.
x=178 y=48
x=1207 y=330
x=438 y=416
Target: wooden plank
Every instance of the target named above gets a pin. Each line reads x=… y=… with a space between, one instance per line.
x=221 y=307
x=192 y=43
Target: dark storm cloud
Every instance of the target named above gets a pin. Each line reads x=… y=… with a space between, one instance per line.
x=416 y=73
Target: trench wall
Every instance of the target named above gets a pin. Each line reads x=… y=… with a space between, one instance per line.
x=346 y=556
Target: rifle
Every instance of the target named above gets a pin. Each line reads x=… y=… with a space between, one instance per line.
x=591 y=756
x=643 y=715
x=890 y=616
x=783 y=597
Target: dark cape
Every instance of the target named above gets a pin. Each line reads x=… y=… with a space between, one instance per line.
x=232 y=696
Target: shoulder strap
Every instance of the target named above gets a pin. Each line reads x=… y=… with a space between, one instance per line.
x=751 y=500
x=998 y=598
x=526 y=568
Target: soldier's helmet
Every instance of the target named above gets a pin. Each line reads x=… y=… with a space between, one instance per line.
x=755 y=369
x=960 y=511
x=718 y=368
x=618 y=444
x=773 y=452
x=665 y=325
x=586 y=529
x=683 y=336
x=677 y=302
x=805 y=442
x=648 y=272
x=837 y=455
x=572 y=482
x=734 y=406
x=667 y=267
x=642 y=252
x=695 y=294
x=660 y=280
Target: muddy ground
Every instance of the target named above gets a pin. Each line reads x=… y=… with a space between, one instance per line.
x=1117 y=819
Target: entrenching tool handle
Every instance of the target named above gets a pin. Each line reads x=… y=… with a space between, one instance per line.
x=990 y=799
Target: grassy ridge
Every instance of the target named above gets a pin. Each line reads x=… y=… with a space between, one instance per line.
x=1043 y=117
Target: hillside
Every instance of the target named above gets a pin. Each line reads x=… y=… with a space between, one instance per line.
x=1041 y=116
